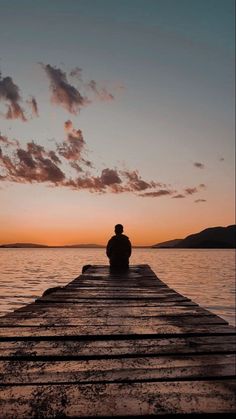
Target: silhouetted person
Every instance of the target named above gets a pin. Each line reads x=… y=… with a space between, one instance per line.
x=119 y=250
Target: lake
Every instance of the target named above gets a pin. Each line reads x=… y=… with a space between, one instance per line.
x=206 y=276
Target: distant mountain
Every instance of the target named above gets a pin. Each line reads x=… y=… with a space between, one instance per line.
x=210 y=238
x=215 y=237
x=23 y=245
x=33 y=245
x=167 y=244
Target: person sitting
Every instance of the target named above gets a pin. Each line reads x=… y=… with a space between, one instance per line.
x=119 y=250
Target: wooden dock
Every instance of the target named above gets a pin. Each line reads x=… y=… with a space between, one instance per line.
x=115 y=345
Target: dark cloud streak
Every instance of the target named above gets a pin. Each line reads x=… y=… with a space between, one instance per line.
x=62 y=92
x=199 y=200
x=10 y=93
x=199 y=165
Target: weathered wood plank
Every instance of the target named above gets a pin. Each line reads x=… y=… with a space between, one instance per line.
x=111 y=311
x=112 y=370
x=109 y=347
x=142 y=321
x=94 y=330
x=110 y=298
x=78 y=400
x=120 y=304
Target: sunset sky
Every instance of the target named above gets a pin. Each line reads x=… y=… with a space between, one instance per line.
x=115 y=111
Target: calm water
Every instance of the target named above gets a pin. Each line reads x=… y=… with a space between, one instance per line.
x=206 y=276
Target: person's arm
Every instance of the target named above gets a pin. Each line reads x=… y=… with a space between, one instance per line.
x=129 y=247
x=108 y=249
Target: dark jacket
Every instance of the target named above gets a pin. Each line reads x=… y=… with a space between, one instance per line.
x=119 y=250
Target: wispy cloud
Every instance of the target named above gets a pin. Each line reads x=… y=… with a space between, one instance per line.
x=100 y=92
x=199 y=200
x=72 y=148
x=179 y=196
x=8 y=142
x=191 y=191
x=34 y=106
x=136 y=183
x=77 y=73
x=10 y=94
x=156 y=194
x=199 y=165
x=34 y=163
x=62 y=92
x=67 y=166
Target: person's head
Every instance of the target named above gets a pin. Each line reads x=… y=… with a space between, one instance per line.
x=119 y=229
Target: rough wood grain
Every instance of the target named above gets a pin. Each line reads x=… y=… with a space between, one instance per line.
x=118 y=399
x=112 y=345
x=109 y=348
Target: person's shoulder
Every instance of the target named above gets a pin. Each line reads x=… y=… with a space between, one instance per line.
x=125 y=237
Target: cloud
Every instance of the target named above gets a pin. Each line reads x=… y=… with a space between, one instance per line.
x=7 y=164
x=199 y=165
x=77 y=73
x=72 y=148
x=35 y=163
x=32 y=164
x=200 y=200
x=193 y=190
x=62 y=92
x=10 y=93
x=100 y=92
x=25 y=158
x=110 y=177
x=34 y=106
x=53 y=156
x=35 y=149
x=8 y=142
x=179 y=196
x=221 y=159
x=155 y=194
x=136 y=183
x=190 y=191
x=15 y=112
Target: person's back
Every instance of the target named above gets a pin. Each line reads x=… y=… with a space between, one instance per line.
x=119 y=249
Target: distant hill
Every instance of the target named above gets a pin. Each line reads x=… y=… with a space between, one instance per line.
x=167 y=244
x=210 y=238
x=215 y=237
x=33 y=245
x=23 y=245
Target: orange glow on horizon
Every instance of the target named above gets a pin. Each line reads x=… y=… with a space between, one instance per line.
x=61 y=237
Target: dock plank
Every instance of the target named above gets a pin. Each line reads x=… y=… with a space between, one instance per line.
x=144 y=321
x=95 y=330
x=116 y=399
x=115 y=344
x=109 y=348
x=113 y=370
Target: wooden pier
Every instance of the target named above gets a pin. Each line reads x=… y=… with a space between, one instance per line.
x=115 y=345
